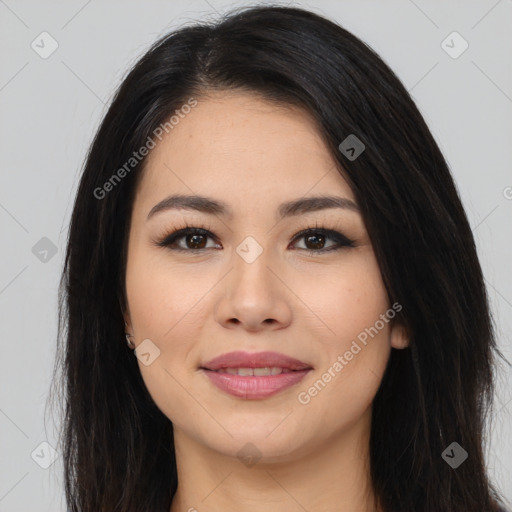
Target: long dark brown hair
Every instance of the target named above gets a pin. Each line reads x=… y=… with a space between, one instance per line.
x=117 y=445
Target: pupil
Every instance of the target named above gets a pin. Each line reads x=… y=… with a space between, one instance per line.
x=316 y=243
x=194 y=241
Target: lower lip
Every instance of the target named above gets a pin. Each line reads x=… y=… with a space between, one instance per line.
x=254 y=387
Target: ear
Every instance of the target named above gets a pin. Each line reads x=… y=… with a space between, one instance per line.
x=126 y=316
x=127 y=323
x=399 y=336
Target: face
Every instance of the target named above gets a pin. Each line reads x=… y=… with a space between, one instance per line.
x=252 y=282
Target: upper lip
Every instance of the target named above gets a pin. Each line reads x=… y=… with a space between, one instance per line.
x=240 y=359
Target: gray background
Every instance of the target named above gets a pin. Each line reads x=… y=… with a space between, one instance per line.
x=51 y=107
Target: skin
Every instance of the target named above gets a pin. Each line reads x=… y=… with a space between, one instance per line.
x=239 y=149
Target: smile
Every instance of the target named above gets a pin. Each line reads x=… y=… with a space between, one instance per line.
x=254 y=376
x=253 y=387
x=257 y=372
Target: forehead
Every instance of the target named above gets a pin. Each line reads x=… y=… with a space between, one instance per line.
x=237 y=144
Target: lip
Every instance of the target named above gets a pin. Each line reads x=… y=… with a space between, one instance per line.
x=240 y=359
x=254 y=387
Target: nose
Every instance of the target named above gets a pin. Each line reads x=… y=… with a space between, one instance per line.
x=254 y=297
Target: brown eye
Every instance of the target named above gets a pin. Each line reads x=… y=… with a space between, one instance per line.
x=315 y=240
x=188 y=240
x=196 y=241
x=193 y=240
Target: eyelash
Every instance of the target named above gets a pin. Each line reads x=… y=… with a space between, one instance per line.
x=341 y=240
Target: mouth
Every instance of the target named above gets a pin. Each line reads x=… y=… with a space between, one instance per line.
x=259 y=361
x=256 y=372
x=254 y=376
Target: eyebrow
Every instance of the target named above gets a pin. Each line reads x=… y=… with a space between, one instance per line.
x=214 y=207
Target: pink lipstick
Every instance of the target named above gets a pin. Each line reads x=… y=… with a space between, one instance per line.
x=254 y=376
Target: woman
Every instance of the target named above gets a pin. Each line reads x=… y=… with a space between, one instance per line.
x=271 y=295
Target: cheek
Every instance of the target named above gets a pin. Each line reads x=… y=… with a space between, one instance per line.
x=344 y=385
x=339 y=402
x=349 y=299
x=166 y=308
x=356 y=346
x=163 y=298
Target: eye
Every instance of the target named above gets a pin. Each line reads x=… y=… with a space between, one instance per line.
x=315 y=240
x=195 y=239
